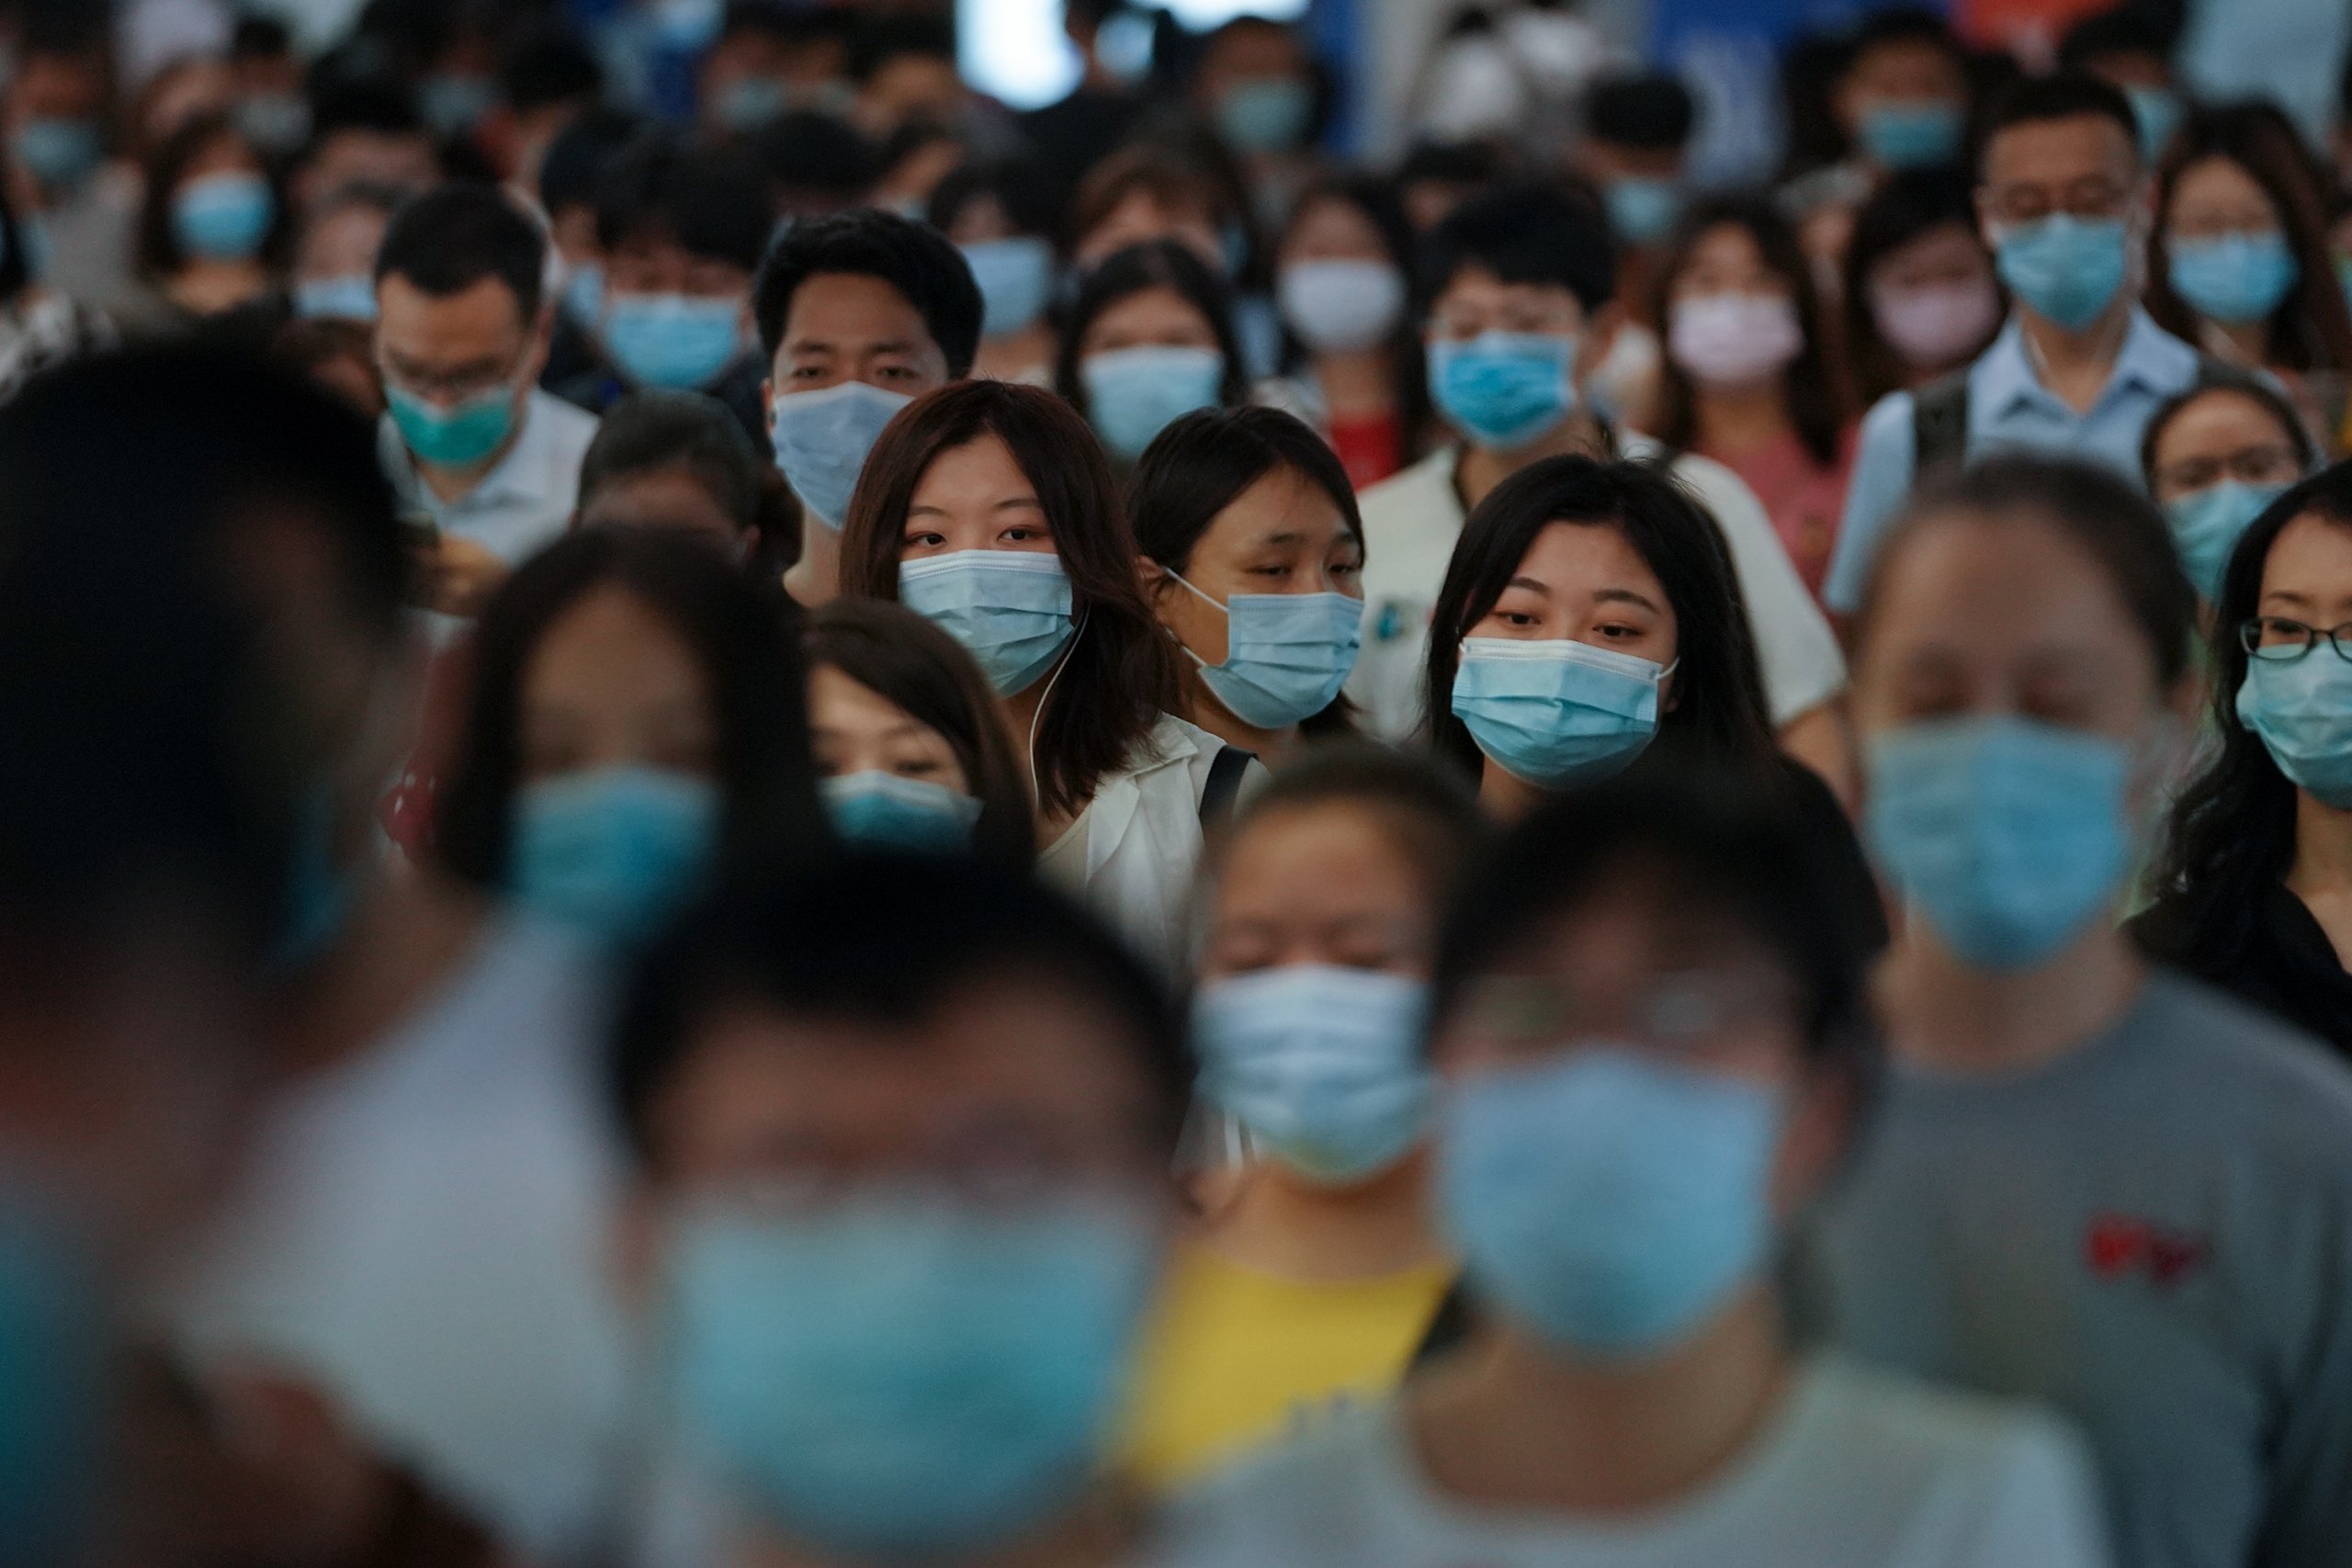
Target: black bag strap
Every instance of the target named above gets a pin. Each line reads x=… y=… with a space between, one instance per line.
x=1940 y=424
x=1225 y=770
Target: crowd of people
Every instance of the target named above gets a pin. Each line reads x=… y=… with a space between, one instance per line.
x=752 y=815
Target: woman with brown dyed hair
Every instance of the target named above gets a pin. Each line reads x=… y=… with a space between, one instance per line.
x=989 y=508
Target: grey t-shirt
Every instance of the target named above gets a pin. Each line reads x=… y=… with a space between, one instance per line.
x=2153 y=1235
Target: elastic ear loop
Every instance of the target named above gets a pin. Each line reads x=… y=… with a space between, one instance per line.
x=1037 y=718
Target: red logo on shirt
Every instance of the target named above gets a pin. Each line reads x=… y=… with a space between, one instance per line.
x=2119 y=1246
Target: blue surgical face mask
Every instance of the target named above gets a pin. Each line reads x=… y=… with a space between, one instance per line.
x=821 y=440
x=59 y=154
x=2301 y=709
x=1341 y=306
x=893 y=811
x=899 y=1376
x=2234 y=278
x=2206 y=527
x=1267 y=114
x=351 y=298
x=1911 y=135
x=1011 y=609
x=753 y=101
x=679 y=340
x=1322 y=1065
x=453 y=104
x=455 y=437
x=584 y=294
x=223 y=216
x=1016 y=282
x=1133 y=394
x=2064 y=268
x=611 y=852
x=1552 y=714
x=1611 y=1201
x=1286 y=655
x=1505 y=390
x=2158 y=111
x=2007 y=833
x=1641 y=207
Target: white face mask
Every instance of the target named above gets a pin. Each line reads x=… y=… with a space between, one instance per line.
x=1341 y=307
x=1734 y=340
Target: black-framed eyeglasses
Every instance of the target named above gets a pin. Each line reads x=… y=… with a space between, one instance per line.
x=2277 y=640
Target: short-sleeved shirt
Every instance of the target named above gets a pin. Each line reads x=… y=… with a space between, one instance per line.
x=2008 y=409
x=2152 y=1233
x=1411 y=525
x=526 y=500
x=1804 y=498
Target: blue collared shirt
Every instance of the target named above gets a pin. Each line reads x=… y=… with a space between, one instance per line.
x=2008 y=408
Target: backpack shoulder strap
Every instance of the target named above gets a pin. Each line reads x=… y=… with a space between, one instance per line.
x=1225 y=770
x=1940 y=424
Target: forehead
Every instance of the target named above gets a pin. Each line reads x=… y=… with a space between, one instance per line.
x=1634 y=919
x=1314 y=856
x=1575 y=555
x=2220 y=421
x=1998 y=583
x=856 y=306
x=484 y=312
x=2058 y=151
x=1472 y=285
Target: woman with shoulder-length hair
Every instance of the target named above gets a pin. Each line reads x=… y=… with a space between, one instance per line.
x=988 y=507
x=2254 y=887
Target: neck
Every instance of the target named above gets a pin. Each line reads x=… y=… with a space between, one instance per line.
x=1736 y=421
x=408 y=931
x=2077 y=365
x=1483 y=468
x=816 y=578
x=1204 y=710
x=1945 y=1014
x=1506 y=797
x=1363 y=382
x=1278 y=1223
x=2323 y=849
x=1516 y=1424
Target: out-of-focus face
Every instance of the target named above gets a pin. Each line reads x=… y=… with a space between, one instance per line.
x=2221 y=435
x=1907 y=72
x=1323 y=884
x=908 y=87
x=975 y=497
x=1947 y=254
x=1250 y=53
x=2085 y=164
x=1607 y=161
x=342 y=244
x=980 y=219
x=224 y=154
x=1140 y=218
x=849 y=327
x=1283 y=534
x=1727 y=260
x=1332 y=230
x=182 y=94
x=449 y=349
x=1157 y=316
x=655 y=264
x=50 y=85
x=857 y=730
x=613 y=684
x=664 y=498
x=401 y=161
x=2215 y=197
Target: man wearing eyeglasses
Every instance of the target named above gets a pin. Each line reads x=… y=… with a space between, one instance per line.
x=2063 y=199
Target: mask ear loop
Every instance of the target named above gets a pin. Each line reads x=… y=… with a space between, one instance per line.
x=1037 y=718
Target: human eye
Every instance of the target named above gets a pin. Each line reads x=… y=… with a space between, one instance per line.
x=925 y=540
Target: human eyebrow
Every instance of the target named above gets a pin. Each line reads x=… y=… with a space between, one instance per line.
x=1624 y=596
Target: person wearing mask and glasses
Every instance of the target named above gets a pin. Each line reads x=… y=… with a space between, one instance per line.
x=859 y=313
x=1317 y=1269
x=991 y=511
x=2238 y=260
x=996 y=212
x=912 y=747
x=2023 y=688
x=1149 y=340
x=2214 y=460
x=470 y=441
x=1518 y=285
x=1652 y=1061
x=1748 y=379
x=2063 y=201
x=2254 y=890
x=1252 y=556
x=1920 y=299
x=901 y=1129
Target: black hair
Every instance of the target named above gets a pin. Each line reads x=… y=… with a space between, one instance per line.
x=655 y=429
x=2127 y=29
x=2065 y=95
x=2230 y=838
x=886 y=941
x=1524 y=233
x=1155 y=263
x=1430 y=812
x=160 y=252
x=455 y=235
x=373 y=104
x=1014 y=181
x=2256 y=391
x=1720 y=719
x=259 y=37
x=904 y=658
x=807 y=151
x=745 y=635
x=1455 y=163
x=1911 y=203
x=154 y=742
x=1904 y=24
x=911 y=257
x=2103 y=514
x=1811 y=382
x=548 y=65
x=573 y=173
x=1734 y=852
x=1651 y=111
x=713 y=202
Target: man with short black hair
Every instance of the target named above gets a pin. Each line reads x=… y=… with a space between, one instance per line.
x=2062 y=199
x=1902 y=99
x=858 y=314
x=1637 y=133
x=365 y=131
x=461 y=336
x=1521 y=283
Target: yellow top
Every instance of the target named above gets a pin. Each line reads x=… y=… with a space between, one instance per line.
x=1236 y=1358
